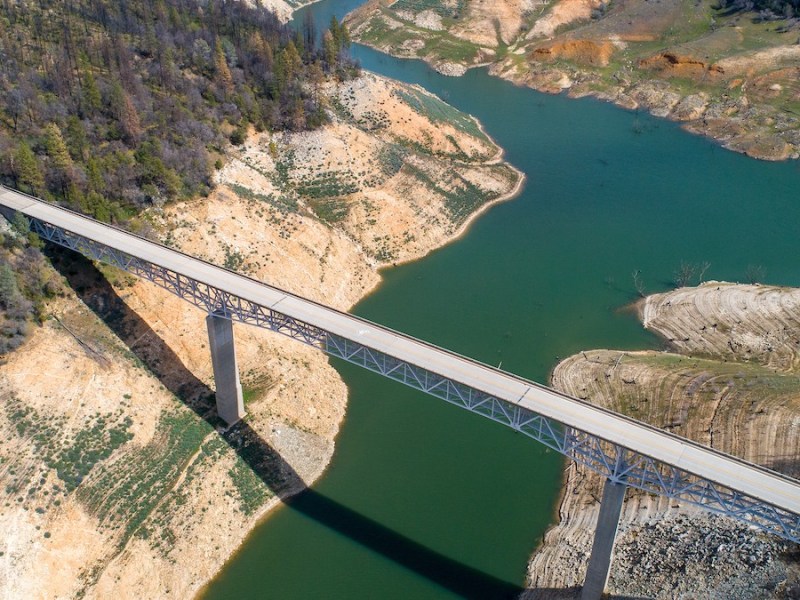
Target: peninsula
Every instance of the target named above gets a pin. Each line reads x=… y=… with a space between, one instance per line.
x=727 y=380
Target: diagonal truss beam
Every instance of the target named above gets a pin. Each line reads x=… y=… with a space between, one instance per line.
x=613 y=461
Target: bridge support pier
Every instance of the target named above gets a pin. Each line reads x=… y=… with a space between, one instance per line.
x=230 y=405
x=606 y=531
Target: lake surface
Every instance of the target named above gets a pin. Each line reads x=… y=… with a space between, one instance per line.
x=423 y=500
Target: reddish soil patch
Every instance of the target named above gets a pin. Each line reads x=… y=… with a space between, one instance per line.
x=585 y=52
x=669 y=64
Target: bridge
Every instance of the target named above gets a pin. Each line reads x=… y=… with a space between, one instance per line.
x=626 y=452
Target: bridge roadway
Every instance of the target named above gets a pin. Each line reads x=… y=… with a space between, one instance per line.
x=751 y=480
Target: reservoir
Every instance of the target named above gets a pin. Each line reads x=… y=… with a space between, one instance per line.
x=423 y=500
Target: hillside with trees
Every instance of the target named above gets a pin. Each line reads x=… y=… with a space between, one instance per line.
x=108 y=107
x=111 y=106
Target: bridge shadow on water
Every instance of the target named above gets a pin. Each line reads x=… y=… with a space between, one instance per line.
x=279 y=476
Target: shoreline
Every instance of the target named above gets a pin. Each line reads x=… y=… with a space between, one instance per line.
x=463 y=229
x=621 y=98
x=727 y=333
x=274 y=503
x=269 y=228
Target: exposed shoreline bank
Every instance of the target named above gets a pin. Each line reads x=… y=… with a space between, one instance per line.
x=724 y=339
x=394 y=176
x=734 y=101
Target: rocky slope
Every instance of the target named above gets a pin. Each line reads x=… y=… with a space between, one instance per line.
x=733 y=77
x=730 y=382
x=117 y=477
x=282 y=8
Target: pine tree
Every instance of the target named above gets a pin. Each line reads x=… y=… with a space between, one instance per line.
x=309 y=33
x=57 y=149
x=124 y=110
x=316 y=77
x=76 y=139
x=297 y=116
x=93 y=174
x=9 y=291
x=329 y=51
x=27 y=170
x=335 y=31
x=292 y=60
x=222 y=74
x=60 y=159
x=129 y=117
x=344 y=37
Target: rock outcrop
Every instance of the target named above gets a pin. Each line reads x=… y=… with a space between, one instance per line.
x=729 y=381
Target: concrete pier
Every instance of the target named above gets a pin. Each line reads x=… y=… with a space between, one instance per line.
x=607 y=522
x=230 y=405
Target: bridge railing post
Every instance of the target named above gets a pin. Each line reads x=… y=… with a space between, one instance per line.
x=607 y=522
x=230 y=404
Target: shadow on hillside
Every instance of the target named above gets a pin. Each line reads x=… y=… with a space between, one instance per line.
x=786 y=464
x=95 y=291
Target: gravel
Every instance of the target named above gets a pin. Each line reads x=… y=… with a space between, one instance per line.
x=702 y=556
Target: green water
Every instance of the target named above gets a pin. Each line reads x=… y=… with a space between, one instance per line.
x=423 y=500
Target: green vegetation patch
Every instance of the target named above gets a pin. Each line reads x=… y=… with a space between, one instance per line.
x=450 y=49
x=27 y=280
x=392 y=157
x=438 y=111
x=461 y=199
x=326 y=185
x=72 y=457
x=435 y=44
x=465 y=199
x=377 y=32
x=283 y=203
x=444 y=8
x=330 y=210
x=124 y=493
x=252 y=491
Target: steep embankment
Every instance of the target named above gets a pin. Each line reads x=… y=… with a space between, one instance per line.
x=725 y=74
x=284 y=8
x=112 y=483
x=730 y=383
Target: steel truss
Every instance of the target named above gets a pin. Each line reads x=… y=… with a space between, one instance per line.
x=200 y=294
x=610 y=460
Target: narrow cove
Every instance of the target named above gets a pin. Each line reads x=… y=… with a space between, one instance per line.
x=425 y=501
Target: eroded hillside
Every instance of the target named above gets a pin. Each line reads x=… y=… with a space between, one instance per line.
x=118 y=479
x=726 y=73
x=729 y=382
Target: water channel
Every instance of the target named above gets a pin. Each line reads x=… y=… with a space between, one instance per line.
x=423 y=500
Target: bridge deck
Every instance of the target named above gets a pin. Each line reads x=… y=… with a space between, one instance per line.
x=755 y=481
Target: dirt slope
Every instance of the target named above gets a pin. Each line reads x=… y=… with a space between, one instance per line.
x=117 y=478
